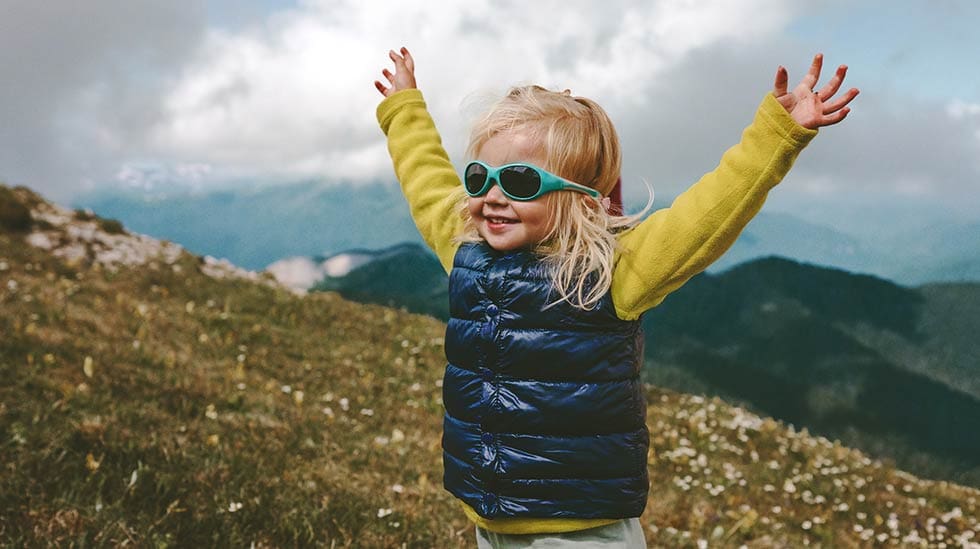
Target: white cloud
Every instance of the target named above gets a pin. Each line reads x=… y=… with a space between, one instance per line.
x=295 y=97
x=958 y=108
x=150 y=94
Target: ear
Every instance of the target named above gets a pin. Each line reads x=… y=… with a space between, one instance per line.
x=606 y=204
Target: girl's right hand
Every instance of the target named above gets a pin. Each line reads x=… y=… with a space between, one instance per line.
x=404 y=76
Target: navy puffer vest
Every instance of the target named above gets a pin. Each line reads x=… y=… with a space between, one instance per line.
x=545 y=410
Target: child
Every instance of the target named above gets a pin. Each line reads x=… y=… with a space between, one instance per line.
x=544 y=436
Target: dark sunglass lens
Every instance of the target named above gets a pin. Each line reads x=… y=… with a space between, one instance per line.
x=520 y=181
x=475 y=178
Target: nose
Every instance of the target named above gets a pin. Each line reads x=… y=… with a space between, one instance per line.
x=495 y=195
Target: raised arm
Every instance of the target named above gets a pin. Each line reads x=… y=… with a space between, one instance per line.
x=427 y=177
x=674 y=244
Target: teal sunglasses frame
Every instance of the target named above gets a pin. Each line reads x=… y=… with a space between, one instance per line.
x=549 y=181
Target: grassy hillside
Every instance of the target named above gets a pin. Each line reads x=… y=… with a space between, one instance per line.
x=153 y=397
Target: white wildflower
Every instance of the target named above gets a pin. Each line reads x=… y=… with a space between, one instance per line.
x=955 y=513
x=382 y=513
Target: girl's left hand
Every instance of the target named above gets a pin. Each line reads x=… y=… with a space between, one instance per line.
x=810 y=107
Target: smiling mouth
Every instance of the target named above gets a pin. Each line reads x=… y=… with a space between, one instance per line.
x=500 y=220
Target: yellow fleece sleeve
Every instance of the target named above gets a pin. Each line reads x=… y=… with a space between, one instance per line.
x=673 y=244
x=427 y=177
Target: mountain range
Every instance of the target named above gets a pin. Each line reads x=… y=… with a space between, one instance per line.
x=254 y=226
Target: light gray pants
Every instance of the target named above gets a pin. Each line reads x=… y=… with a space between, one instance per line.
x=625 y=534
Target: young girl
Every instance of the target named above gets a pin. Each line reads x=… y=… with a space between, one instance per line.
x=544 y=436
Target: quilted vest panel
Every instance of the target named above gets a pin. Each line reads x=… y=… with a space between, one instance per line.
x=545 y=410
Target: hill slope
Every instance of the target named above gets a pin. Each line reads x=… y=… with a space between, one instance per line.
x=155 y=398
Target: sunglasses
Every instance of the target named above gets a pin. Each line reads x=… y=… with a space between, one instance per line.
x=517 y=181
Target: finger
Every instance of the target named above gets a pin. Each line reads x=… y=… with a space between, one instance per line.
x=813 y=75
x=833 y=85
x=387 y=74
x=381 y=88
x=840 y=102
x=409 y=60
x=782 y=79
x=834 y=118
x=399 y=61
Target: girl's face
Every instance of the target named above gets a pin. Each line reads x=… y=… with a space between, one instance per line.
x=504 y=223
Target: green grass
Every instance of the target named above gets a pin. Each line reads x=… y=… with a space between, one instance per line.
x=226 y=412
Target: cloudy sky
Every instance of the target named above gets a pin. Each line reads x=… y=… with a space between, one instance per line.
x=206 y=93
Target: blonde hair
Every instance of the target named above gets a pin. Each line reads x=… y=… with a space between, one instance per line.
x=581 y=145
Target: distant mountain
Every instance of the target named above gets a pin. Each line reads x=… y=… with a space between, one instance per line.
x=942 y=252
x=255 y=226
x=302 y=273
x=407 y=275
x=856 y=357
x=779 y=234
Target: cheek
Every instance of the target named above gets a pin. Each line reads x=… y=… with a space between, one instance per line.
x=475 y=206
x=539 y=214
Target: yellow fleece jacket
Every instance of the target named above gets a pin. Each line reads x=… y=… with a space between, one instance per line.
x=655 y=257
